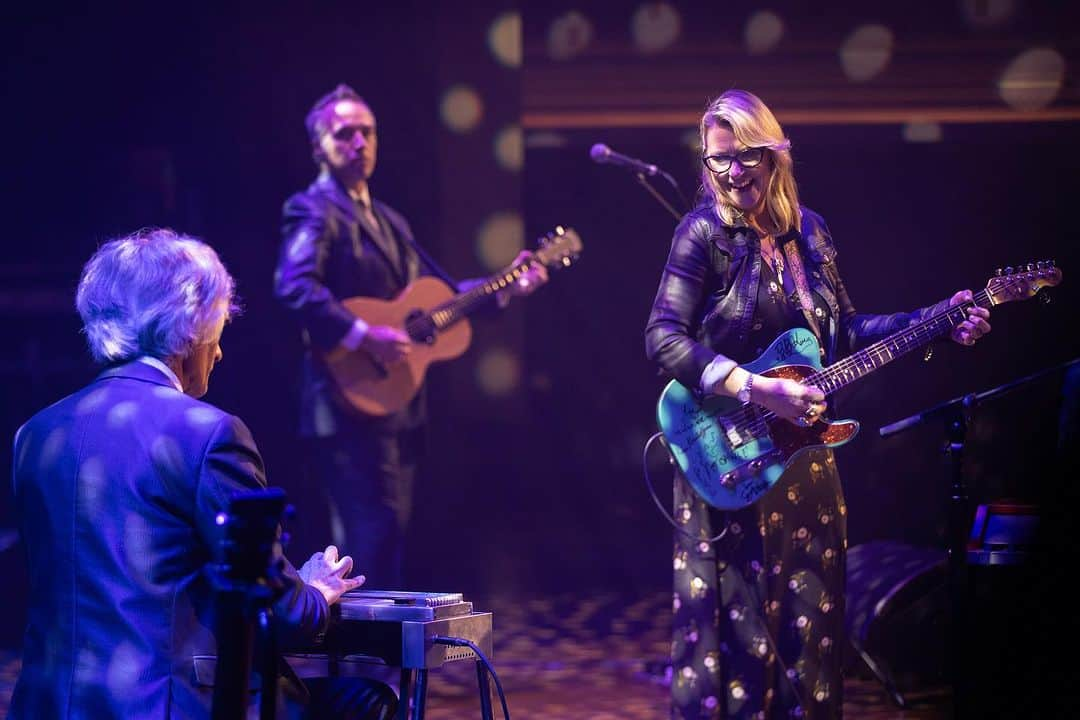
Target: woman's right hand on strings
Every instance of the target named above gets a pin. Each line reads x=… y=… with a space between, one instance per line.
x=385 y=344
x=797 y=403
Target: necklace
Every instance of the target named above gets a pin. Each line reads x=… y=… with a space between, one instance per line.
x=776 y=259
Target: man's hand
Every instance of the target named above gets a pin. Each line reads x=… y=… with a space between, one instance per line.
x=386 y=345
x=328 y=574
x=534 y=276
x=976 y=325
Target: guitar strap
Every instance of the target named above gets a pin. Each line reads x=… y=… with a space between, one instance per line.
x=802 y=288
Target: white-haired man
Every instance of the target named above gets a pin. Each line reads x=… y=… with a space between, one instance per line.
x=117 y=488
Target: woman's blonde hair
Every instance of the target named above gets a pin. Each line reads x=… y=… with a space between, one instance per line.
x=754 y=125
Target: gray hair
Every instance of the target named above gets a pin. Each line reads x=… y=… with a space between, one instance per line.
x=154 y=292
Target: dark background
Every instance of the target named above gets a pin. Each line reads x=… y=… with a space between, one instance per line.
x=124 y=116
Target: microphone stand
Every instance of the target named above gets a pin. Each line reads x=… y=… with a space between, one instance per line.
x=956 y=416
x=660 y=198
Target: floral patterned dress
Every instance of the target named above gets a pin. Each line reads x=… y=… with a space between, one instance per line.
x=758 y=614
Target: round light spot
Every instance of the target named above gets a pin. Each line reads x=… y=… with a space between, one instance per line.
x=545 y=140
x=201 y=415
x=510 y=148
x=1033 y=79
x=92 y=482
x=866 y=52
x=498 y=372
x=655 y=26
x=51 y=450
x=121 y=413
x=461 y=108
x=504 y=39
x=91 y=401
x=922 y=132
x=500 y=239
x=568 y=35
x=764 y=31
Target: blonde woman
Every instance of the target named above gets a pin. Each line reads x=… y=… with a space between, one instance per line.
x=758 y=628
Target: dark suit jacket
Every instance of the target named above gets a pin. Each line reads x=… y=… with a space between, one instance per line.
x=116 y=488
x=329 y=253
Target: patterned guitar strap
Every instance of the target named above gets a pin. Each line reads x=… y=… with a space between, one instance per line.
x=798 y=273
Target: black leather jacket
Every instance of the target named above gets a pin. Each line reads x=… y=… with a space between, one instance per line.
x=708 y=293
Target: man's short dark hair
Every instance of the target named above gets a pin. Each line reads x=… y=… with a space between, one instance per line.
x=315 y=121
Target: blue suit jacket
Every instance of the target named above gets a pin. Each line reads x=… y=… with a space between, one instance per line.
x=116 y=488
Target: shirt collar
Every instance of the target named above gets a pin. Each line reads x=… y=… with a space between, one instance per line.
x=155 y=363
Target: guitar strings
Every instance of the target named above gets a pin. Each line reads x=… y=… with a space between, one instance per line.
x=753 y=419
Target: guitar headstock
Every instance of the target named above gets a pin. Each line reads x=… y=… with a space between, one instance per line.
x=1022 y=282
x=559 y=248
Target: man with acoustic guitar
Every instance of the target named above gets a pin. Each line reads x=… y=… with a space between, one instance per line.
x=338 y=245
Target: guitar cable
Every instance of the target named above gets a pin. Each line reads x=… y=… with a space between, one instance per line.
x=462 y=642
x=656 y=499
x=749 y=596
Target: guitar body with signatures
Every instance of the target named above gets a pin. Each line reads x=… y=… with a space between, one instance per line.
x=435 y=317
x=732 y=454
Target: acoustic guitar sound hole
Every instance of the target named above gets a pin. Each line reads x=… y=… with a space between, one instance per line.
x=421 y=327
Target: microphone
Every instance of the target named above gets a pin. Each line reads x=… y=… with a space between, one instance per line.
x=601 y=153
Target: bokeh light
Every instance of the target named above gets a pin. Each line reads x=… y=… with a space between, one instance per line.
x=570 y=33
x=545 y=140
x=764 y=30
x=655 y=26
x=498 y=372
x=461 y=108
x=866 y=52
x=504 y=39
x=922 y=131
x=500 y=239
x=510 y=148
x=691 y=140
x=1033 y=79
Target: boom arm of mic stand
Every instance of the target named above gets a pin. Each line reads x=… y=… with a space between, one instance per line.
x=969 y=401
x=659 y=198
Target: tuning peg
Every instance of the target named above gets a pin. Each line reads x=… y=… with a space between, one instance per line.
x=566 y=262
x=999 y=272
x=1009 y=270
x=1050 y=263
x=1030 y=267
x=1045 y=297
x=560 y=230
x=1041 y=265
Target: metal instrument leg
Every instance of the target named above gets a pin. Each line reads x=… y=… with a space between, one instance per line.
x=404 y=694
x=419 y=694
x=485 y=691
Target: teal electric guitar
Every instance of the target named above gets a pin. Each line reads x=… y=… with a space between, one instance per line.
x=732 y=454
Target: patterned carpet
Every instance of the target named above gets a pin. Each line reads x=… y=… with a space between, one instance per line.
x=598 y=658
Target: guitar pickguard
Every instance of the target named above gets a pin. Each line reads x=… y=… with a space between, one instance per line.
x=733 y=454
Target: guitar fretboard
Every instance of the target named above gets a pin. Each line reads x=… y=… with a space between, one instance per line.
x=462 y=305
x=881 y=353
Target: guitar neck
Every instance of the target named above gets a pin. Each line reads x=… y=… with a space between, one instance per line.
x=881 y=353
x=463 y=304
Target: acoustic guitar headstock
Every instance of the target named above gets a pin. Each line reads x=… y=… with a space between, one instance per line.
x=559 y=248
x=1022 y=282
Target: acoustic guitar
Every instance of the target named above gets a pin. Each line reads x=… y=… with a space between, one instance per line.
x=732 y=454
x=435 y=317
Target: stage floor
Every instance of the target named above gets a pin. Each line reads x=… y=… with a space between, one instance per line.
x=600 y=657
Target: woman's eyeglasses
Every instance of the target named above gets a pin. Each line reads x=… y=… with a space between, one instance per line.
x=747 y=158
